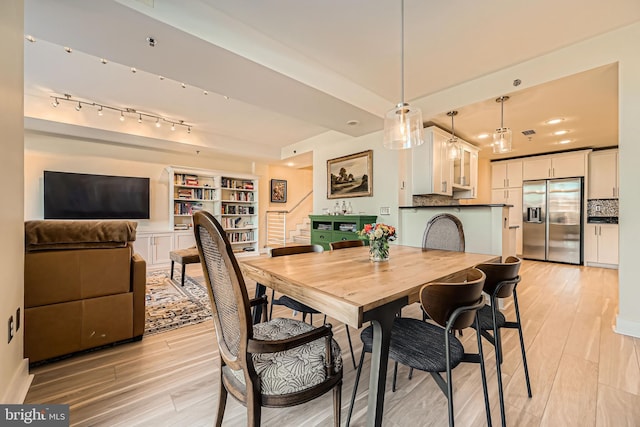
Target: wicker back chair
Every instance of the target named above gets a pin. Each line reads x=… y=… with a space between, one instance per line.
x=249 y=353
x=444 y=231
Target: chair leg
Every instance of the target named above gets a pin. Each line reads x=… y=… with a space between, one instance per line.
x=182 y=278
x=254 y=408
x=483 y=372
x=222 y=403
x=355 y=389
x=337 y=403
x=447 y=352
x=172 y=263
x=395 y=377
x=524 y=355
x=497 y=345
x=410 y=373
x=353 y=356
x=273 y=295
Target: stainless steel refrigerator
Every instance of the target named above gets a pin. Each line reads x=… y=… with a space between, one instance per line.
x=552 y=220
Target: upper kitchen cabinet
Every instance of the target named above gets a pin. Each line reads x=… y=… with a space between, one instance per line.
x=431 y=169
x=603 y=174
x=506 y=174
x=427 y=169
x=465 y=172
x=561 y=165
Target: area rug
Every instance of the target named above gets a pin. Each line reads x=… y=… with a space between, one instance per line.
x=169 y=306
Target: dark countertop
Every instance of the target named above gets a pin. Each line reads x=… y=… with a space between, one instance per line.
x=481 y=205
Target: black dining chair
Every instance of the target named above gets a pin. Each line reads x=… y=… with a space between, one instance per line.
x=453 y=305
x=285 y=300
x=502 y=281
x=278 y=363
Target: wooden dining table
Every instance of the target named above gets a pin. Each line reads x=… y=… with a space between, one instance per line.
x=348 y=287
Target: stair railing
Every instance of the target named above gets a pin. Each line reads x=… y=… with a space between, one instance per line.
x=276 y=223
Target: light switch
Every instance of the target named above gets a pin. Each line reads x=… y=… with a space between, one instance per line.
x=385 y=210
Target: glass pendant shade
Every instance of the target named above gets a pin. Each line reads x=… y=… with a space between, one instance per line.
x=502 y=141
x=453 y=145
x=503 y=135
x=403 y=127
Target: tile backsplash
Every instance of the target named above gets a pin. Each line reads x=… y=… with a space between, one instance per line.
x=602 y=207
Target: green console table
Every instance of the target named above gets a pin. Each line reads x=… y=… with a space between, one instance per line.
x=331 y=228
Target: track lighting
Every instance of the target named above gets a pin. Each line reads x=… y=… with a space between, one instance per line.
x=101 y=107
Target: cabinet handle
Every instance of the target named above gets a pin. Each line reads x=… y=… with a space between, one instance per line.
x=504 y=181
x=507 y=182
x=599 y=230
x=553 y=170
x=614 y=191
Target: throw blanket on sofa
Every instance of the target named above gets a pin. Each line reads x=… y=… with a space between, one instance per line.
x=44 y=235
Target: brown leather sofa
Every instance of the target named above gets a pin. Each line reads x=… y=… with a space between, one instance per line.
x=83 y=286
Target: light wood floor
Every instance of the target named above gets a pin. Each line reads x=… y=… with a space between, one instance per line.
x=582 y=373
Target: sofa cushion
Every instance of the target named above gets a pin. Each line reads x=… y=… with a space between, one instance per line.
x=46 y=235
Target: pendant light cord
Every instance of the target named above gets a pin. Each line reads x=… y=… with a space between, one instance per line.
x=402 y=52
x=502 y=112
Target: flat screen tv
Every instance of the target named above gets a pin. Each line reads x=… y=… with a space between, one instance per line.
x=84 y=196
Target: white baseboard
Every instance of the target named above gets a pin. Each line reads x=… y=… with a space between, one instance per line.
x=626 y=327
x=19 y=385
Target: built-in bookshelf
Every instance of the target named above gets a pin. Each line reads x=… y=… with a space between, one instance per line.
x=239 y=212
x=233 y=200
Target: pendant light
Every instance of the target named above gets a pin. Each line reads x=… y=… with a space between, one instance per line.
x=403 y=123
x=453 y=145
x=502 y=136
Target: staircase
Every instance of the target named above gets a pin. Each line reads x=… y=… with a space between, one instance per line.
x=302 y=233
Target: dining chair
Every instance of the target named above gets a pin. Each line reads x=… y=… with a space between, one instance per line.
x=444 y=232
x=432 y=347
x=502 y=281
x=344 y=244
x=277 y=363
x=285 y=300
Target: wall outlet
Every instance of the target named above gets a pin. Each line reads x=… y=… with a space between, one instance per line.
x=10 y=329
x=17 y=319
x=385 y=210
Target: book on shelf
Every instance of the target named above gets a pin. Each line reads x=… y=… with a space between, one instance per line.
x=181 y=227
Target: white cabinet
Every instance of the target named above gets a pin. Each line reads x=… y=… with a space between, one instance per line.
x=563 y=165
x=184 y=240
x=154 y=247
x=601 y=244
x=603 y=175
x=506 y=174
x=431 y=169
x=465 y=172
x=511 y=196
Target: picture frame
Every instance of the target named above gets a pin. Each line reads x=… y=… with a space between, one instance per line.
x=350 y=176
x=278 y=191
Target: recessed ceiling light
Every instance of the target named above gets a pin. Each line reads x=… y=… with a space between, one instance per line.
x=104 y=61
x=161 y=77
x=205 y=93
x=133 y=69
x=553 y=121
x=183 y=85
x=30 y=38
x=68 y=49
x=564 y=141
x=226 y=97
x=290 y=164
x=353 y=122
x=560 y=132
x=483 y=136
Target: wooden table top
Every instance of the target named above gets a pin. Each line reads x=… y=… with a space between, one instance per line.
x=344 y=284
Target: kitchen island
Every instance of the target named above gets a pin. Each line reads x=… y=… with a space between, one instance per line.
x=486 y=226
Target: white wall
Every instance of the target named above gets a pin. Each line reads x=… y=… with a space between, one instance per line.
x=46 y=152
x=14 y=379
x=619 y=46
x=385 y=174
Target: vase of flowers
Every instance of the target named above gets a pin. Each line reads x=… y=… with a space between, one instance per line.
x=378 y=236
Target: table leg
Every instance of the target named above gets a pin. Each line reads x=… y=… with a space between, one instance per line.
x=382 y=322
x=257 y=310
